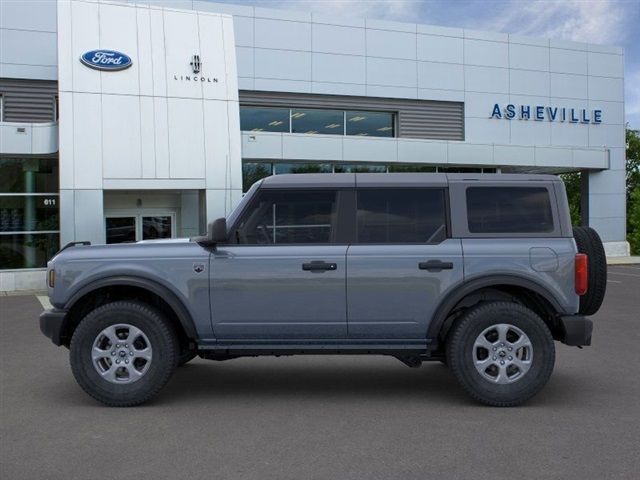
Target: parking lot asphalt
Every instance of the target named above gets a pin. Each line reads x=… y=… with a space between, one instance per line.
x=325 y=417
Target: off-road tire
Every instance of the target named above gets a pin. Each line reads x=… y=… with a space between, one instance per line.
x=460 y=347
x=588 y=242
x=163 y=341
x=186 y=356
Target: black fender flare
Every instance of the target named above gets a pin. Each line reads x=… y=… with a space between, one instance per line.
x=181 y=311
x=466 y=288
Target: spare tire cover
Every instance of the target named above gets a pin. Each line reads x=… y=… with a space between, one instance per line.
x=588 y=242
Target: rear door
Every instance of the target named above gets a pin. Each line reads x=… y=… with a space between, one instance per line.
x=401 y=262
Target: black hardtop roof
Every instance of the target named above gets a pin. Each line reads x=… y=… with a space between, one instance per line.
x=344 y=180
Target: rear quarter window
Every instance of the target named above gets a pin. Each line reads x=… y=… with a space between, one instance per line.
x=509 y=210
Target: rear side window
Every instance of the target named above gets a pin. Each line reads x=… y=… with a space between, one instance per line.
x=509 y=210
x=389 y=215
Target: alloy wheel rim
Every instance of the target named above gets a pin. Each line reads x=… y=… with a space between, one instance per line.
x=121 y=353
x=502 y=354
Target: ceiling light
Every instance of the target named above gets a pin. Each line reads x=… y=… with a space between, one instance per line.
x=257 y=129
x=298 y=115
x=384 y=129
x=312 y=131
x=333 y=125
x=357 y=118
x=363 y=134
x=275 y=123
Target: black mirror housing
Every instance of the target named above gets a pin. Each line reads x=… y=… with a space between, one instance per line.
x=217 y=231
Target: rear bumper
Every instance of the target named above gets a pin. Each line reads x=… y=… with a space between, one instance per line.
x=51 y=323
x=577 y=330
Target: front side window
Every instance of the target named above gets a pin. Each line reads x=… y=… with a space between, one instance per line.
x=289 y=217
x=509 y=210
x=389 y=215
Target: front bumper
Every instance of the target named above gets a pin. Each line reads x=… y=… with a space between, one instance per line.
x=51 y=324
x=577 y=330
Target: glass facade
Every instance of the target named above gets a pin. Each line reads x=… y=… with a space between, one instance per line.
x=29 y=212
x=317 y=121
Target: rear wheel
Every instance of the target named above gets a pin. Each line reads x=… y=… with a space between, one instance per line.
x=123 y=353
x=502 y=353
x=588 y=242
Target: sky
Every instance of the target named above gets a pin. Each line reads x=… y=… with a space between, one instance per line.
x=607 y=22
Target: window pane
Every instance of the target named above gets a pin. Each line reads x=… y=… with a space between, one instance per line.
x=401 y=216
x=252 y=172
x=156 y=227
x=361 y=168
x=302 y=168
x=28 y=213
x=372 y=124
x=121 y=229
x=509 y=209
x=289 y=217
x=317 y=121
x=264 y=119
x=460 y=170
x=31 y=250
x=411 y=168
x=28 y=175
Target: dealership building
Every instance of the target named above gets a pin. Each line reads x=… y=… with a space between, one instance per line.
x=130 y=121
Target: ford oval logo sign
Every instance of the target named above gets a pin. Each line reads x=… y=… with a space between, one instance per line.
x=108 y=60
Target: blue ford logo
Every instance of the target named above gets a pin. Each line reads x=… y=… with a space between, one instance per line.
x=109 y=60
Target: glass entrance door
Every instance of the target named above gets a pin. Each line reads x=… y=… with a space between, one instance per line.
x=134 y=227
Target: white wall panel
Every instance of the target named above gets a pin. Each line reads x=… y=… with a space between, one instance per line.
x=470 y=154
x=487 y=130
x=186 y=138
x=182 y=30
x=434 y=48
x=526 y=82
x=369 y=149
x=118 y=27
x=159 y=66
x=283 y=34
x=569 y=134
x=244 y=56
x=329 y=88
x=212 y=37
x=513 y=155
x=284 y=65
x=216 y=144
x=85 y=34
x=605 y=65
x=87 y=141
x=480 y=105
x=568 y=61
x=144 y=53
x=161 y=136
x=553 y=157
x=444 y=76
x=338 y=68
x=393 y=73
x=421 y=151
x=121 y=150
x=312 y=147
x=612 y=112
x=338 y=39
x=147 y=137
x=489 y=54
x=486 y=79
x=381 y=43
x=35 y=15
x=243 y=31
x=610 y=89
x=568 y=86
x=528 y=57
x=530 y=132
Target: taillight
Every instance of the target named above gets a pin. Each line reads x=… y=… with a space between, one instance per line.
x=582 y=280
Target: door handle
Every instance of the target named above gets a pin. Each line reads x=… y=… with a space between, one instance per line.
x=319 y=266
x=435 y=265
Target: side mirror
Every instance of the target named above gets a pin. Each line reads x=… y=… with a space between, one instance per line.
x=217 y=231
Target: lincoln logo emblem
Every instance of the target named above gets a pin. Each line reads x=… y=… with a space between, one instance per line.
x=195 y=63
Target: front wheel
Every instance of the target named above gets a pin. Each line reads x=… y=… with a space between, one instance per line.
x=502 y=353
x=123 y=353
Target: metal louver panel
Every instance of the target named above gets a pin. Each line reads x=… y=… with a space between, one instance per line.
x=430 y=119
x=30 y=101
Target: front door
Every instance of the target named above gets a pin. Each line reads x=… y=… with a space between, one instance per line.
x=401 y=263
x=283 y=276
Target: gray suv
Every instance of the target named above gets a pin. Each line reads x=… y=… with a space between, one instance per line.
x=480 y=272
